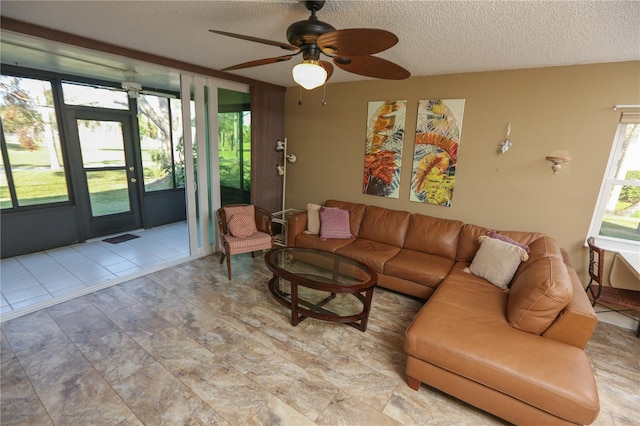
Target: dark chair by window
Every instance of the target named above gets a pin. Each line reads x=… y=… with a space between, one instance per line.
x=606 y=294
x=243 y=228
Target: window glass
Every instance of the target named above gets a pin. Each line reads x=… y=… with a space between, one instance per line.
x=32 y=142
x=621 y=216
x=101 y=143
x=108 y=192
x=155 y=142
x=234 y=145
x=5 y=195
x=178 y=139
x=93 y=96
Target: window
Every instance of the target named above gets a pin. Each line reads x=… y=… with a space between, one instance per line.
x=234 y=145
x=616 y=220
x=94 y=96
x=32 y=163
x=160 y=126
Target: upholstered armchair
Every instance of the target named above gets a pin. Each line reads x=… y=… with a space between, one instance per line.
x=243 y=228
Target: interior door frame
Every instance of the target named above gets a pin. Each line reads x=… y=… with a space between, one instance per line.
x=90 y=226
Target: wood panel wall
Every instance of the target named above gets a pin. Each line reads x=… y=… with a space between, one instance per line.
x=267 y=126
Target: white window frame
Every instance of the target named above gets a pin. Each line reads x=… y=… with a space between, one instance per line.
x=608 y=181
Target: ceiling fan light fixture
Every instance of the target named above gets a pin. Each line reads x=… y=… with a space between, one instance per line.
x=309 y=74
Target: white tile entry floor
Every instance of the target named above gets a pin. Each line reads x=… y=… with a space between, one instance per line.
x=37 y=277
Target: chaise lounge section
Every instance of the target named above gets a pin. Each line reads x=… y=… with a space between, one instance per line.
x=517 y=352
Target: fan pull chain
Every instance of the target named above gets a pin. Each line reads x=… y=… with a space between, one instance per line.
x=300 y=95
x=324 y=94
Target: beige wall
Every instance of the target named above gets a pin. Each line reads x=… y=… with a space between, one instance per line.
x=550 y=109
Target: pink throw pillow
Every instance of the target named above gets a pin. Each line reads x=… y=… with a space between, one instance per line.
x=241 y=225
x=495 y=235
x=334 y=223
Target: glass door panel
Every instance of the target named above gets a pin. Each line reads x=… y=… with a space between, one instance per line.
x=102 y=143
x=108 y=192
x=103 y=159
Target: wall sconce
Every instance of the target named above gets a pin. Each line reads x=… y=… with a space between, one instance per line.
x=557 y=161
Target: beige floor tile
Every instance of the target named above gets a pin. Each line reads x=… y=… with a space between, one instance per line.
x=187 y=346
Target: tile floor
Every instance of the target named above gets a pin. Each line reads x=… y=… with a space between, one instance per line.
x=183 y=345
x=46 y=277
x=41 y=279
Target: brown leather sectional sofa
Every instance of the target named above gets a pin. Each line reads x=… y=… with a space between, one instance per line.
x=516 y=354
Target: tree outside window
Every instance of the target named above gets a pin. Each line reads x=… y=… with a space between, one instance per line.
x=34 y=173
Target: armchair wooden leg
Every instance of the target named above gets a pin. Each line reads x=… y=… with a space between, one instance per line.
x=229 y=267
x=221 y=257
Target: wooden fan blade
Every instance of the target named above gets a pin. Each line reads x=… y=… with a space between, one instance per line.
x=328 y=67
x=356 y=41
x=285 y=46
x=372 y=66
x=259 y=62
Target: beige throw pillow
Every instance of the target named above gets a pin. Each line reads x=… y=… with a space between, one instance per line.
x=313 y=219
x=497 y=261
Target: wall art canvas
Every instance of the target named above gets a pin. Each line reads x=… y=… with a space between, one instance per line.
x=435 y=152
x=383 y=148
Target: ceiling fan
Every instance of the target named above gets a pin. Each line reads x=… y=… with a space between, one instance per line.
x=351 y=50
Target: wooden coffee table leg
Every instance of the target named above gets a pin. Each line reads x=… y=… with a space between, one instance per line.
x=295 y=319
x=366 y=309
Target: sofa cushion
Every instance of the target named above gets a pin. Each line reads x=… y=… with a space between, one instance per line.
x=477 y=343
x=315 y=242
x=497 y=261
x=538 y=249
x=334 y=223
x=433 y=235
x=371 y=253
x=431 y=272
x=233 y=210
x=385 y=226
x=469 y=243
x=539 y=294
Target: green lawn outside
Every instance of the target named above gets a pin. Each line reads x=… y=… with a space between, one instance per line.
x=37 y=186
x=36 y=183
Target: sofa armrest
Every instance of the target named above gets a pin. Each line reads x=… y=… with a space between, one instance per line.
x=296 y=225
x=576 y=322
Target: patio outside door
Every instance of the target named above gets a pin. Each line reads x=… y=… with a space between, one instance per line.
x=109 y=198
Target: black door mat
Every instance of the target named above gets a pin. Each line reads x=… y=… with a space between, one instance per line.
x=121 y=238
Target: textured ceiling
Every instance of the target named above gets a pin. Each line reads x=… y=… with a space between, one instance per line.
x=436 y=37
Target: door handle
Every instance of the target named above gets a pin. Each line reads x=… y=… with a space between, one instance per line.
x=134 y=180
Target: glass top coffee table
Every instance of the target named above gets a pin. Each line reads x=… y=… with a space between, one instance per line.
x=321 y=285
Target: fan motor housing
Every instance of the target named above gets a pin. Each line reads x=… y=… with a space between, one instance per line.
x=307 y=32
